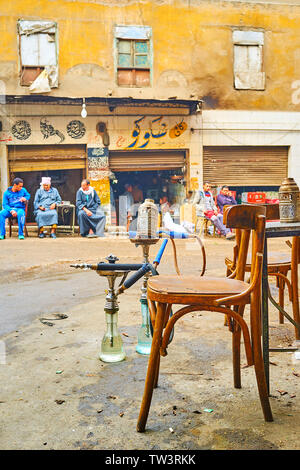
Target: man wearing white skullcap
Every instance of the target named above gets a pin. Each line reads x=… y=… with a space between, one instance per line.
x=45 y=202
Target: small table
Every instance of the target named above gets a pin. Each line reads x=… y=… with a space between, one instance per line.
x=276 y=229
x=64 y=210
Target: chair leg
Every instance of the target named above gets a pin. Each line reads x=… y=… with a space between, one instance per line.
x=258 y=359
x=281 y=299
x=202 y=228
x=236 y=349
x=236 y=356
x=153 y=365
x=294 y=281
x=228 y=272
x=214 y=230
x=157 y=372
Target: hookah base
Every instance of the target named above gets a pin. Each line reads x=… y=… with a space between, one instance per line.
x=143 y=349
x=112 y=357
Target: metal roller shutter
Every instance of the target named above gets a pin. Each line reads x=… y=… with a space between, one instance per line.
x=245 y=166
x=46 y=157
x=146 y=161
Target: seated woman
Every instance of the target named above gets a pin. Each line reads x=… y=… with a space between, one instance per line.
x=89 y=213
x=45 y=202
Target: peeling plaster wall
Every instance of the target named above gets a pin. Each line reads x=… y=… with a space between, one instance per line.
x=192 y=48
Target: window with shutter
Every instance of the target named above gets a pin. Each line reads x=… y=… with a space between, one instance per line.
x=248 y=60
x=133 y=56
x=38 y=48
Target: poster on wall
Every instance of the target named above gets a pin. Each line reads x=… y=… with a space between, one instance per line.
x=102 y=187
x=98 y=172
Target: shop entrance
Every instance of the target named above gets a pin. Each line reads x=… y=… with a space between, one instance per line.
x=152 y=173
x=150 y=184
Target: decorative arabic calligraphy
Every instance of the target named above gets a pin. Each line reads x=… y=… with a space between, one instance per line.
x=177 y=130
x=156 y=133
x=48 y=130
x=148 y=134
x=76 y=129
x=21 y=130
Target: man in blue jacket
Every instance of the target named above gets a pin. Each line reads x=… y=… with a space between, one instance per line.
x=14 y=199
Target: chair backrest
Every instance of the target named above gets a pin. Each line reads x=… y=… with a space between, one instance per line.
x=246 y=220
x=272 y=210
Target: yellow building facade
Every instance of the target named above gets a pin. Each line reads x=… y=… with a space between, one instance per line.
x=175 y=91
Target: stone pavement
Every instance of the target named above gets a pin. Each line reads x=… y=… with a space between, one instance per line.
x=57 y=394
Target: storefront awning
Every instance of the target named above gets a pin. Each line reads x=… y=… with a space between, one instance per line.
x=114 y=105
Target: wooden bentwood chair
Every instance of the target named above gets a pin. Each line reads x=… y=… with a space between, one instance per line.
x=228 y=296
x=279 y=265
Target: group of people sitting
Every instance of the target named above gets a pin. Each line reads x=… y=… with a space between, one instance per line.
x=208 y=208
x=91 y=218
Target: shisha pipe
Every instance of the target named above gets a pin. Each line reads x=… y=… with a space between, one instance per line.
x=112 y=344
x=112 y=348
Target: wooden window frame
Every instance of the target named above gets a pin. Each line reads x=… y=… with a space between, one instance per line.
x=247 y=39
x=143 y=35
x=34 y=70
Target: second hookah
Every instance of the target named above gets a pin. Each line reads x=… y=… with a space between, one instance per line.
x=147 y=222
x=144 y=335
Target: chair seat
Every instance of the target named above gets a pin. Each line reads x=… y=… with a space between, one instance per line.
x=192 y=286
x=275 y=262
x=275 y=259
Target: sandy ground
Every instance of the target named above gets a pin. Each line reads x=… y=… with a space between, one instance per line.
x=57 y=394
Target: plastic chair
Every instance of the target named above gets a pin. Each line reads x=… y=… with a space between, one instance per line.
x=227 y=296
x=14 y=221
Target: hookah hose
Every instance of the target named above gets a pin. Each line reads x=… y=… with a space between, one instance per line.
x=109 y=266
x=177 y=235
x=141 y=269
x=144 y=269
x=160 y=252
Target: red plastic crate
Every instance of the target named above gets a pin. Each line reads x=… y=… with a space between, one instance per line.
x=256 y=198
x=272 y=201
